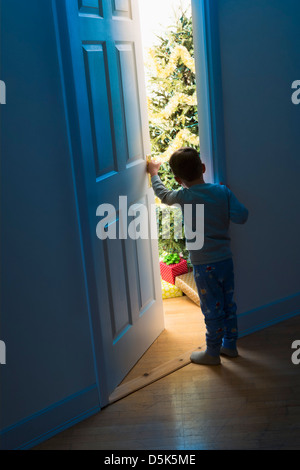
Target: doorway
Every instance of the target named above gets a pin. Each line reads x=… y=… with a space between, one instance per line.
x=168 y=47
x=102 y=64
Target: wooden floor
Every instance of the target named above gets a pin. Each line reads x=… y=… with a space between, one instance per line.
x=250 y=402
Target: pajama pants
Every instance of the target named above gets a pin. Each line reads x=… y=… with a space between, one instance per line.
x=215 y=284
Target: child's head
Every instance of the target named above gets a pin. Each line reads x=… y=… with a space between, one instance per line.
x=186 y=164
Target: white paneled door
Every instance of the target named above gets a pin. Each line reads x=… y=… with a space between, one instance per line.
x=108 y=121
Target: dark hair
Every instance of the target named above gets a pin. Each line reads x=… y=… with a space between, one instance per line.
x=186 y=164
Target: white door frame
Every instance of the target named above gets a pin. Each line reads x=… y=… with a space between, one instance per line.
x=209 y=88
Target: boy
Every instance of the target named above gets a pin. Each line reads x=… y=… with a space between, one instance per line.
x=212 y=264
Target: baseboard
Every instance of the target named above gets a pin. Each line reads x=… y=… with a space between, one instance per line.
x=269 y=314
x=51 y=421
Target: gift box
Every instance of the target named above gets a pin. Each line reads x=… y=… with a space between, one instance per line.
x=169 y=272
x=169 y=290
x=187 y=284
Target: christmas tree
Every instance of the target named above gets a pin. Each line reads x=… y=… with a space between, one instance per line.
x=172 y=107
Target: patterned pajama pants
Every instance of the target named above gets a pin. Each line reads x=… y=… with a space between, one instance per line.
x=215 y=283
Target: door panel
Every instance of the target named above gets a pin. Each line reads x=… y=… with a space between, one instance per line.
x=121 y=8
x=112 y=117
x=100 y=109
x=130 y=100
x=120 y=309
x=90 y=7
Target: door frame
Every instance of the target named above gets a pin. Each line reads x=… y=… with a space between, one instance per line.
x=211 y=130
x=209 y=88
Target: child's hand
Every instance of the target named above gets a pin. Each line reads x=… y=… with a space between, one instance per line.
x=153 y=167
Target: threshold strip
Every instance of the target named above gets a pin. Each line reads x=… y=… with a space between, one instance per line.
x=149 y=377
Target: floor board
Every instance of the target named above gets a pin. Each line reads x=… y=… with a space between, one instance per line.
x=250 y=402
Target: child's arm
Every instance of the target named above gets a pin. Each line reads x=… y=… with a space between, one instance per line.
x=166 y=196
x=238 y=213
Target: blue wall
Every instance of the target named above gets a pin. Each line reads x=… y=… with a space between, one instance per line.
x=247 y=57
x=259 y=47
x=49 y=379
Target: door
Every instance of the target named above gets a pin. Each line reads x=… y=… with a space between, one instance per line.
x=108 y=122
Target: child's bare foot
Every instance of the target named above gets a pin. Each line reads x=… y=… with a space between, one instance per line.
x=201 y=357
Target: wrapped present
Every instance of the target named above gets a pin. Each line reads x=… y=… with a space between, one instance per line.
x=169 y=290
x=187 y=284
x=169 y=272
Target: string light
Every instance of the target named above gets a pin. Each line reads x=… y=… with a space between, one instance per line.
x=179 y=98
x=179 y=52
x=184 y=136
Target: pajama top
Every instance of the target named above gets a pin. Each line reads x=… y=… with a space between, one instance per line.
x=220 y=207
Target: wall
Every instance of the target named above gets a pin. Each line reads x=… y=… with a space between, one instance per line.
x=258 y=47
x=260 y=43
x=49 y=381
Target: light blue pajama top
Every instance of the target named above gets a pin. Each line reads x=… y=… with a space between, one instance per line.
x=220 y=207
